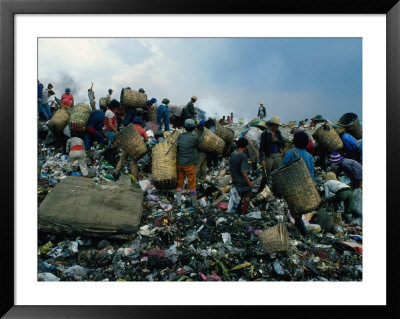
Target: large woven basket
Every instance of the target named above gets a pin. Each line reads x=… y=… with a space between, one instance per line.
x=133 y=99
x=352 y=124
x=79 y=117
x=327 y=137
x=274 y=239
x=294 y=182
x=163 y=169
x=223 y=132
x=131 y=142
x=172 y=137
x=59 y=120
x=209 y=142
x=150 y=115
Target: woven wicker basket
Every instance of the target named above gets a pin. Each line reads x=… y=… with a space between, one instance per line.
x=151 y=115
x=131 y=142
x=209 y=142
x=327 y=137
x=223 y=132
x=274 y=239
x=172 y=137
x=352 y=124
x=294 y=182
x=133 y=99
x=59 y=120
x=103 y=101
x=79 y=117
x=163 y=169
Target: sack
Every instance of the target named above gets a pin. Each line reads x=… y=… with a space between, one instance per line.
x=234 y=200
x=357 y=198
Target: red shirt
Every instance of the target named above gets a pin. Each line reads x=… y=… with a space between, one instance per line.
x=66 y=99
x=310 y=147
x=141 y=131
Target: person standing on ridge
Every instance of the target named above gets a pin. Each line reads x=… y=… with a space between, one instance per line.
x=92 y=100
x=262 y=112
x=190 y=108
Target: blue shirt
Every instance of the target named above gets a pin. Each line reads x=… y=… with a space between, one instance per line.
x=96 y=120
x=352 y=169
x=40 y=90
x=307 y=157
x=349 y=143
x=274 y=147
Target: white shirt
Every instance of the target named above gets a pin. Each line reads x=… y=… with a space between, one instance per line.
x=45 y=95
x=109 y=114
x=52 y=98
x=332 y=186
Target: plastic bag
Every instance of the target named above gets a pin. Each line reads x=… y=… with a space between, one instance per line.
x=234 y=200
x=357 y=197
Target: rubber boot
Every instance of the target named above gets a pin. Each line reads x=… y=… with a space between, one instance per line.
x=194 y=201
x=299 y=223
x=245 y=207
x=179 y=199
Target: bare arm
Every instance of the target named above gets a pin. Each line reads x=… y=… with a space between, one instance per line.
x=111 y=125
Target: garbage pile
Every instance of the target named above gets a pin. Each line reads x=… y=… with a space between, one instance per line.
x=204 y=243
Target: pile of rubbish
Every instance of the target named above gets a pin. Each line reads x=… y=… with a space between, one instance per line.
x=204 y=243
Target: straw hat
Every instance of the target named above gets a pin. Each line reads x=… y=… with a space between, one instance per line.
x=275 y=120
x=261 y=125
x=261 y=103
x=330 y=176
x=194 y=97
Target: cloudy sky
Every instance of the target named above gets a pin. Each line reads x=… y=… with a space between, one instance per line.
x=296 y=78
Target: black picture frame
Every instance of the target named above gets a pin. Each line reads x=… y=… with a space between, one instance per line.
x=7 y=11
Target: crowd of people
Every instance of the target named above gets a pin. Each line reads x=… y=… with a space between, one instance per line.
x=105 y=123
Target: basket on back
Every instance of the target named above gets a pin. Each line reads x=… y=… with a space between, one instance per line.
x=352 y=124
x=131 y=98
x=294 y=182
x=274 y=239
x=131 y=142
x=171 y=137
x=209 y=142
x=221 y=131
x=79 y=117
x=163 y=169
x=150 y=115
x=59 y=120
x=327 y=137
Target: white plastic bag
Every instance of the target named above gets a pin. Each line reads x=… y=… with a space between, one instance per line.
x=254 y=133
x=234 y=200
x=357 y=197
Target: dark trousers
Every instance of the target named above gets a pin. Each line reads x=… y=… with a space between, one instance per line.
x=91 y=137
x=129 y=116
x=346 y=196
